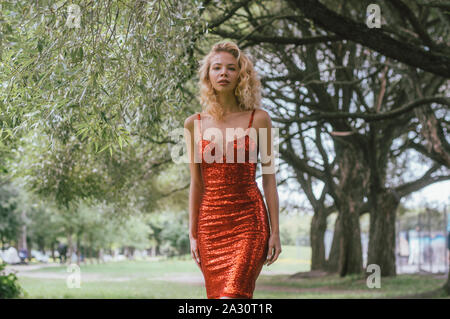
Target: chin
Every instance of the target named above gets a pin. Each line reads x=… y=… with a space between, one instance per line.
x=223 y=89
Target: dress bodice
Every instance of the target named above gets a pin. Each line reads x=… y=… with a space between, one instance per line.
x=239 y=167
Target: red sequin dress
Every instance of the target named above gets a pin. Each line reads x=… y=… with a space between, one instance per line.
x=233 y=226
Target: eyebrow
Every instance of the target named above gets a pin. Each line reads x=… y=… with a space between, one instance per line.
x=221 y=63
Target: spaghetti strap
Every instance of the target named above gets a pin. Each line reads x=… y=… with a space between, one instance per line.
x=200 y=125
x=251 y=119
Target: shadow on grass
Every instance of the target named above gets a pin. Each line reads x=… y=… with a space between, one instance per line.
x=404 y=286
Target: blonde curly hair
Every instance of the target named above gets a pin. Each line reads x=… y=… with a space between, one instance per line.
x=248 y=88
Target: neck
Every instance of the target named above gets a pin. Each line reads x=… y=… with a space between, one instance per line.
x=228 y=101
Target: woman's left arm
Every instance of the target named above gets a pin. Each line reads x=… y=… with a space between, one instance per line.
x=270 y=185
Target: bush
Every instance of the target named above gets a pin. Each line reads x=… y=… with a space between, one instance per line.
x=9 y=286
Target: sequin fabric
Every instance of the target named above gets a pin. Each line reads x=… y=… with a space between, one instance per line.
x=233 y=225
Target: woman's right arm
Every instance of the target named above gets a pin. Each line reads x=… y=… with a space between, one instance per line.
x=196 y=186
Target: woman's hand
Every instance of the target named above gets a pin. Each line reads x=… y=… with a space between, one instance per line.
x=194 y=251
x=274 y=244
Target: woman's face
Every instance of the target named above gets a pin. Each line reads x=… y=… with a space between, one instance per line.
x=223 y=72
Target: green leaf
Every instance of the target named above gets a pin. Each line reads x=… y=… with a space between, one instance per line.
x=104 y=148
x=120 y=142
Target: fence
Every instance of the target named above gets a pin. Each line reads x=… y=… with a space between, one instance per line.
x=422 y=242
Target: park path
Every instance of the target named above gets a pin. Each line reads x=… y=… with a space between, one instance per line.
x=29 y=271
x=24 y=268
x=26 y=271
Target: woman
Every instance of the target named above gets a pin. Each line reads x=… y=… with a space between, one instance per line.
x=228 y=222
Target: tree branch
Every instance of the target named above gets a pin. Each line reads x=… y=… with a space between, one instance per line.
x=374 y=38
x=316 y=116
x=420 y=183
x=256 y=38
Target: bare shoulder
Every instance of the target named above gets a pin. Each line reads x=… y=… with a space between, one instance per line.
x=261 y=118
x=189 y=121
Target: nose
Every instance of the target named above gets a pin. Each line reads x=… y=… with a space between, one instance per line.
x=223 y=72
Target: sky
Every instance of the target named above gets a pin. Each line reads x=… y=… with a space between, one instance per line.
x=437 y=192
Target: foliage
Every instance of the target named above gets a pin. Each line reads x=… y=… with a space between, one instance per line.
x=133 y=232
x=10 y=221
x=9 y=286
x=73 y=91
x=171 y=231
x=115 y=72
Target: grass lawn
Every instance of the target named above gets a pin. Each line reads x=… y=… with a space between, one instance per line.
x=181 y=278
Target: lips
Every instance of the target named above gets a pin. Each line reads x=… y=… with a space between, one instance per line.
x=223 y=82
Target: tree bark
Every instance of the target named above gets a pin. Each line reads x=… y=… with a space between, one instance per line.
x=100 y=255
x=317 y=234
x=23 y=235
x=53 y=250
x=350 y=257
x=333 y=258
x=70 y=248
x=353 y=177
x=78 y=249
x=381 y=250
x=433 y=132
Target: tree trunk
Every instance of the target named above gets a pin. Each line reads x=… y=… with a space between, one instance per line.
x=349 y=195
x=53 y=250
x=100 y=255
x=381 y=249
x=69 y=248
x=350 y=257
x=90 y=253
x=333 y=258
x=317 y=234
x=23 y=235
x=78 y=249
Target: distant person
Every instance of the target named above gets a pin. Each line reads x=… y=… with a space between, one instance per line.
x=414 y=248
x=23 y=255
x=62 y=250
